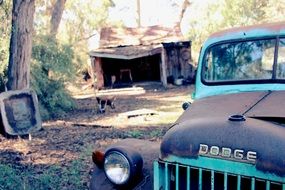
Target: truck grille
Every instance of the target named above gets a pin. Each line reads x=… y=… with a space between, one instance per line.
x=173 y=176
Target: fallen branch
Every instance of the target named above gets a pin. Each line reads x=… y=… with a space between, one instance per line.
x=89 y=125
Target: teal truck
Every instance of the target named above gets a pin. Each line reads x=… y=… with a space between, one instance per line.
x=232 y=137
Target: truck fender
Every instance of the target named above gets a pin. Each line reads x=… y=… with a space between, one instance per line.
x=149 y=151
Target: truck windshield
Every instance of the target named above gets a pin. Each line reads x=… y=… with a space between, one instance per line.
x=245 y=61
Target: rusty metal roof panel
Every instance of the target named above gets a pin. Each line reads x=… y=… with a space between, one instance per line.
x=131 y=43
x=115 y=37
x=127 y=52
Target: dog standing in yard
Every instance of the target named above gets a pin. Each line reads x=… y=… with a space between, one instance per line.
x=104 y=101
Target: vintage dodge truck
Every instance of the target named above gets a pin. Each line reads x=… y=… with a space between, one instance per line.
x=232 y=137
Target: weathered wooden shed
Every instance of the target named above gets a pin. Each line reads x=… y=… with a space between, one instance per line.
x=153 y=53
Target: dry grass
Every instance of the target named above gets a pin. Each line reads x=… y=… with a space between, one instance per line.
x=71 y=139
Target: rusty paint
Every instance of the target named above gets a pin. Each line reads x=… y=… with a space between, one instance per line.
x=116 y=37
x=149 y=150
x=272 y=106
x=217 y=106
x=272 y=27
x=207 y=122
x=98 y=158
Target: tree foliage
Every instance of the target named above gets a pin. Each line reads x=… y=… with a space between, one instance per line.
x=80 y=22
x=51 y=68
x=240 y=13
x=211 y=16
x=57 y=60
x=5 y=32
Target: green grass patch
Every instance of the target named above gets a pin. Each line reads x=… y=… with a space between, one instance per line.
x=54 y=177
x=135 y=134
x=72 y=176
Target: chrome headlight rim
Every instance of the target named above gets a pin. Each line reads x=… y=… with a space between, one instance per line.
x=132 y=159
x=126 y=162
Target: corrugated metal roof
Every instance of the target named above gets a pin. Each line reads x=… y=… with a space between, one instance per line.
x=131 y=43
x=127 y=52
x=115 y=37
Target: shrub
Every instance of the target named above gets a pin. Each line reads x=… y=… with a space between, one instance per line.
x=3 y=79
x=51 y=67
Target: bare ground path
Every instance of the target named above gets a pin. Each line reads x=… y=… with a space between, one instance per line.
x=74 y=136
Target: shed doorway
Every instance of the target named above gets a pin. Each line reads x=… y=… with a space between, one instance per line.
x=124 y=72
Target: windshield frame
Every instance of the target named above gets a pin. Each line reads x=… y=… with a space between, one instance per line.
x=251 y=81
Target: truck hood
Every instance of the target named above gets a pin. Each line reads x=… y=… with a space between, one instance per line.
x=207 y=122
x=268 y=104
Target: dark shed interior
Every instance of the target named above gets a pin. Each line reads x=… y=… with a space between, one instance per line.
x=123 y=71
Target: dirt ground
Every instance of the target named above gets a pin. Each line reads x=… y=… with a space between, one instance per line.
x=84 y=129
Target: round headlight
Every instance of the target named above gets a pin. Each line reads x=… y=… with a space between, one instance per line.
x=117 y=168
x=123 y=165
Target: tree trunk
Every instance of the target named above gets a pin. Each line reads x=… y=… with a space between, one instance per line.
x=21 y=44
x=56 y=16
x=139 y=13
x=185 y=5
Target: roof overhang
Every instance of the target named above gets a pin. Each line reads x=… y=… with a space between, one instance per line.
x=127 y=52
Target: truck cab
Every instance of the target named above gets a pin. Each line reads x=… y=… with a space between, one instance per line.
x=232 y=136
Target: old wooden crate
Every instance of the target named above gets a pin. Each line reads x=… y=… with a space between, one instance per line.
x=20 y=112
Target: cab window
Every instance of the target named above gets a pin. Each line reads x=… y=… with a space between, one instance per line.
x=241 y=61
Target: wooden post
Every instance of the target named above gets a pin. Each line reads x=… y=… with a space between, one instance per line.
x=182 y=63
x=163 y=68
x=186 y=67
x=99 y=73
x=91 y=70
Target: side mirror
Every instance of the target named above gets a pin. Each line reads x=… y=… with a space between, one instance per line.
x=186 y=105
